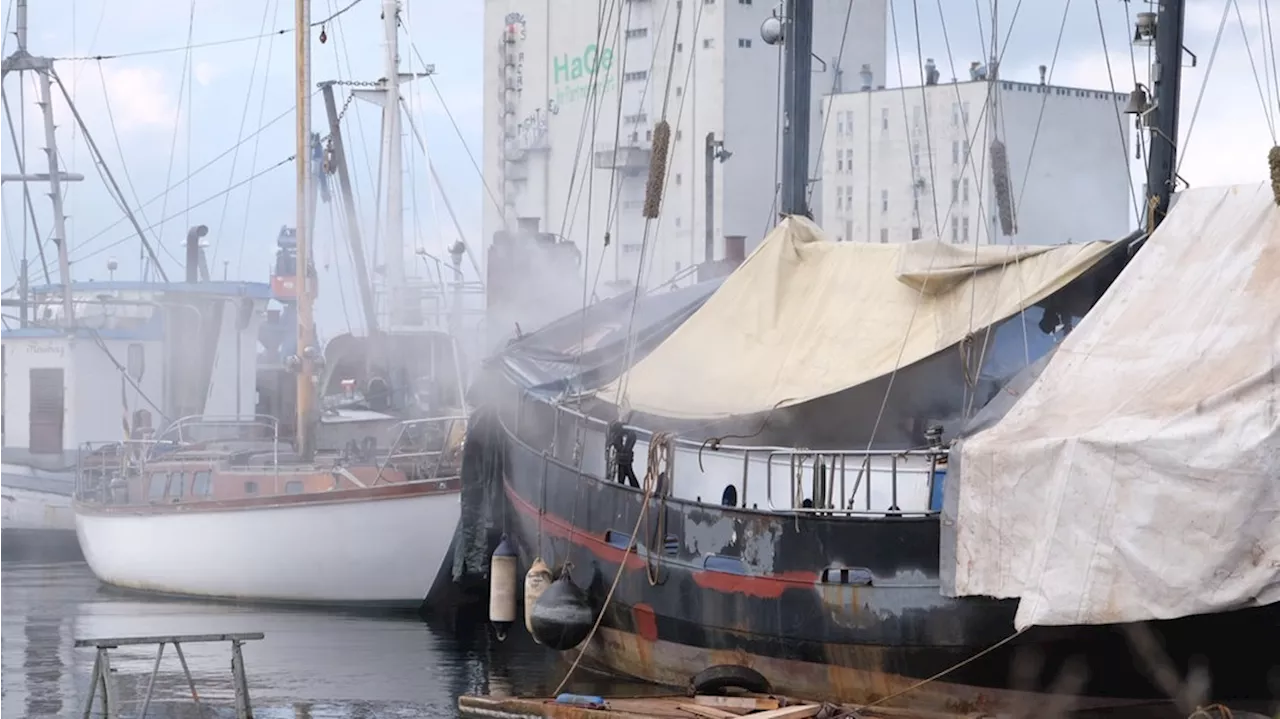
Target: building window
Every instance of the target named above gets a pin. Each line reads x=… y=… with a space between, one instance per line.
x=964 y=114
x=955 y=114
x=634 y=76
x=915 y=154
x=679 y=222
x=635 y=119
x=848 y=160
x=679 y=179
x=848 y=230
x=744 y=2
x=679 y=91
x=915 y=117
x=840 y=125
x=839 y=198
x=679 y=47
x=955 y=191
x=964 y=229
x=744 y=42
x=965 y=193
x=884 y=235
x=884 y=200
x=915 y=233
x=637 y=32
x=884 y=118
x=955 y=152
x=708 y=43
x=679 y=134
x=955 y=230
x=839 y=161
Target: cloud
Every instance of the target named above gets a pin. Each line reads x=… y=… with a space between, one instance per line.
x=206 y=73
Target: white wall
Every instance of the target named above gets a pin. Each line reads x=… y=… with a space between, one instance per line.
x=1069 y=179
x=93 y=404
x=715 y=86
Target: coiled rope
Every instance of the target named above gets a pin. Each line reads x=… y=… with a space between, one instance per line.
x=659 y=451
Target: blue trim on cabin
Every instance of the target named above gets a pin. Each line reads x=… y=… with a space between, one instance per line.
x=152 y=331
x=255 y=290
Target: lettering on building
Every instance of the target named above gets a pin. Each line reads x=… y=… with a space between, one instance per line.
x=573 y=77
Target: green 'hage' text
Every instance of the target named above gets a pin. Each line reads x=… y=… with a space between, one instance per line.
x=573 y=77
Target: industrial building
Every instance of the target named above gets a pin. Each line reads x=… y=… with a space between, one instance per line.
x=574 y=90
x=977 y=161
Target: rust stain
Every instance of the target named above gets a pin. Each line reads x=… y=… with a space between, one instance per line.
x=646 y=622
x=766 y=587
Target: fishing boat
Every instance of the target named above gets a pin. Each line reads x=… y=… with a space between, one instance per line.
x=708 y=522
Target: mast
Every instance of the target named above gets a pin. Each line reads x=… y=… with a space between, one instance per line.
x=306 y=349
x=393 y=252
x=1167 y=78
x=339 y=159
x=22 y=61
x=798 y=38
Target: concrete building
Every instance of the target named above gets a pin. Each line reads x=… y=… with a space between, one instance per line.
x=573 y=92
x=929 y=162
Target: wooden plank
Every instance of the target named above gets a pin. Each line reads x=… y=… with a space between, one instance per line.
x=750 y=703
x=708 y=712
x=802 y=711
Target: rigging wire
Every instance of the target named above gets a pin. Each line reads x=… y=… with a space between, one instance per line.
x=201 y=203
x=837 y=73
x=1257 y=79
x=26 y=191
x=244 y=116
x=1044 y=101
x=257 y=140
x=1111 y=80
x=201 y=45
x=177 y=124
x=188 y=178
x=124 y=166
x=1195 y=112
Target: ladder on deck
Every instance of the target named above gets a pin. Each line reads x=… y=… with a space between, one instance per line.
x=102 y=670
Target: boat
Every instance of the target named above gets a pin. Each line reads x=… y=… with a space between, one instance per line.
x=318 y=508
x=696 y=521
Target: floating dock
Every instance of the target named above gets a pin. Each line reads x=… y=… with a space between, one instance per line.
x=754 y=706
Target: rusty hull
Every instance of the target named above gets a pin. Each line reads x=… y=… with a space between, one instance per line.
x=765 y=590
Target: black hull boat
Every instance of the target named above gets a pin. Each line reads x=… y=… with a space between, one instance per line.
x=838 y=606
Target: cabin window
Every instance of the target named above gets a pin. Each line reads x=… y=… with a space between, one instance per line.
x=176 y=480
x=202 y=483
x=251 y=487
x=137 y=361
x=47 y=410
x=293 y=486
x=156 y=485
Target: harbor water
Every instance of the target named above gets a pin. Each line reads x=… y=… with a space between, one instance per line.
x=310 y=664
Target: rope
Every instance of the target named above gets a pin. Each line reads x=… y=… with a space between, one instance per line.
x=942 y=673
x=1273 y=160
x=659 y=444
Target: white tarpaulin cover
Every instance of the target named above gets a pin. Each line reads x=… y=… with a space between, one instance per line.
x=1138 y=478
x=804 y=317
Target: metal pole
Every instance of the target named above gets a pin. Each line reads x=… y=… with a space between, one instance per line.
x=349 y=205
x=394 y=248
x=796 y=104
x=709 y=251
x=1163 y=154
x=302 y=35
x=55 y=193
x=24 y=283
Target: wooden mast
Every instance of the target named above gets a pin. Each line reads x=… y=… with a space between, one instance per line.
x=306 y=342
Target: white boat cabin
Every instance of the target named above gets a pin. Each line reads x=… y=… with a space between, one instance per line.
x=139 y=354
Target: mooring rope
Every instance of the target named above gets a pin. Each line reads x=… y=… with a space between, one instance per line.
x=659 y=442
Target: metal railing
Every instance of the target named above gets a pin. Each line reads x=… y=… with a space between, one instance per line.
x=438 y=454
x=801 y=466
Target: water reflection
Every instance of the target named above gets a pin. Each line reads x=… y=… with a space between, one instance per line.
x=310 y=664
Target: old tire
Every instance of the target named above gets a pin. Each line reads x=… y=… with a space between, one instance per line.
x=715 y=679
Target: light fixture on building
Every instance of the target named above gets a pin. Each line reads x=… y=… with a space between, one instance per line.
x=1138 y=102
x=1144 y=31
x=771 y=30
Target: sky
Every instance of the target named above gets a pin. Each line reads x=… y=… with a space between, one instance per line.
x=158 y=111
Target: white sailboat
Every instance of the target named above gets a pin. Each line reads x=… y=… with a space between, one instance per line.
x=228 y=509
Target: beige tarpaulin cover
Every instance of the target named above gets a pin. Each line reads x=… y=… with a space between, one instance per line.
x=1139 y=477
x=804 y=317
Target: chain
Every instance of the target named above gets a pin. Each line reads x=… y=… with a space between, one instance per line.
x=347 y=103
